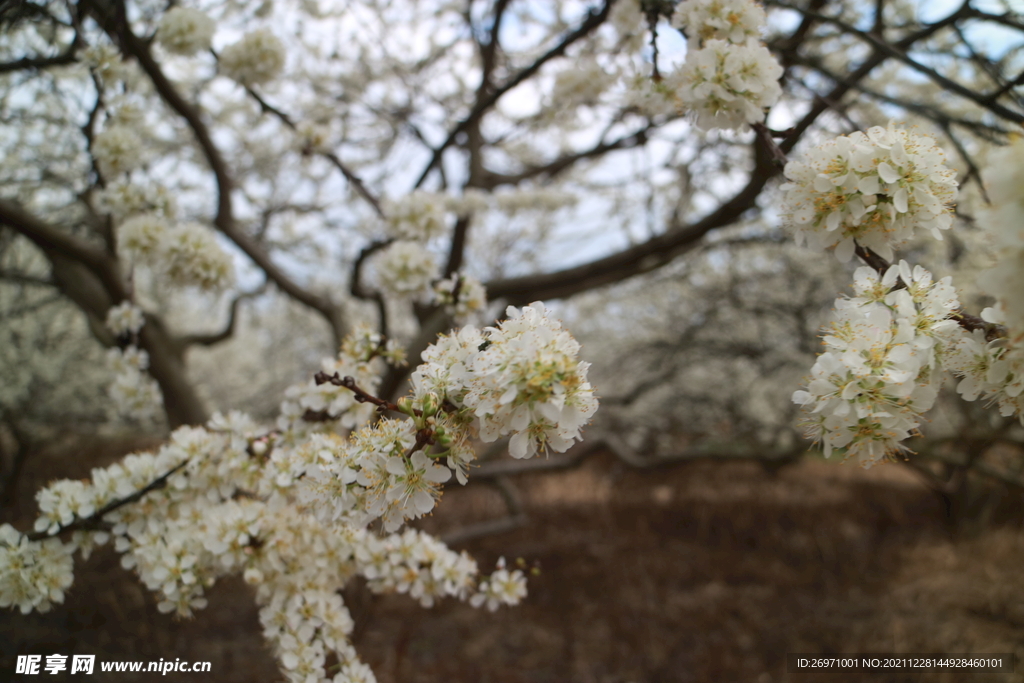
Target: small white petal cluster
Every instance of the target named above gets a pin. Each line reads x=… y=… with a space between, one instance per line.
x=136 y=395
x=728 y=85
x=463 y=295
x=501 y=588
x=731 y=20
x=125 y=318
x=185 y=31
x=382 y=472
x=417 y=217
x=406 y=268
x=139 y=237
x=520 y=378
x=190 y=255
x=313 y=137
x=876 y=188
x=994 y=369
x=257 y=58
x=123 y=199
x=117 y=149
x=867 y=392
x=187 y=254
x=33 y=574
x=106 y=61
x=1004 y=224
x=582 y=83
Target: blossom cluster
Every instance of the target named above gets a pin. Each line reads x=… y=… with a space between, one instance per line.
x=417 y=217
x=256 y=59
x=462 y=295
x=875 y=188
x=406 y=268
x=125 y=319
x=995 y=369
x=879 y=375
x=520 y=378
x=123 y=199
x=185 y=31
x=186 y=254
x=729 y=77
x=116 y=150
x=135 y=394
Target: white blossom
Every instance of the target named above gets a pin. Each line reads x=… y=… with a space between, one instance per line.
x=185 y=31
x=117 y=150
x=406 y=268
x=470 y=298
x=876 y=188
x=190 y=255
x=140 y=237
x=125 y=318
x=417 y=217
x=734 y=21
x=868 y=391
x=728 y=85
x=256 y=59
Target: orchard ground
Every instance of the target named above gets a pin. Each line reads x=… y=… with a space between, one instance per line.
x=694 y=572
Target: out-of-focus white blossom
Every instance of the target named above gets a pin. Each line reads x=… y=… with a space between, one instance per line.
x=734 y=21
x=136 y=395
x=876 y=188
x=257 y=58
x=406 y=268
x=185 y=31
x=417 y=217
x=139 y=238
x=124 y=199
x=33 y=574
x=117 y=150
x=190 y=255
x=728 y=85
x=582 y=83
x=470 y=298
x=125 y=318
x=501 y=588
x=1004 y=224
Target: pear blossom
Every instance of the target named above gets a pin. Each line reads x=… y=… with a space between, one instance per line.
x=728 y=85
x=734 y=21
x=190 y=255
x=125 y=318
x=885 y=346
x=417 y=217
x=874 y=189
x=117 y=150
x=139 y=238
x=287 y=511
x=470 y=297
x=185 y=31
x=256 y=59
x=406 y=268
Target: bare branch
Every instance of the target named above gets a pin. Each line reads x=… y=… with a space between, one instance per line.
x=594 y=19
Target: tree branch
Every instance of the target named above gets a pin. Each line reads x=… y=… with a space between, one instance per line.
x=593 y=20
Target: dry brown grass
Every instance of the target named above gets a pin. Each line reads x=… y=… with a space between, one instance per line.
x=701 y=572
